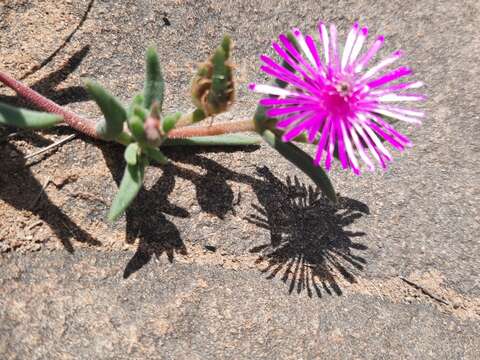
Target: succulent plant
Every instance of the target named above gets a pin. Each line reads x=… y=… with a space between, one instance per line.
x=327 y=103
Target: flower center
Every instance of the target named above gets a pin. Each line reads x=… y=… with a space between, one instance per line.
x=338 y=99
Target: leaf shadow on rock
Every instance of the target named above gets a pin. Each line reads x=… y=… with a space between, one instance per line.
x=310 y=247
x=307 y=233
x=18 y=185
x=20 y=189
x=145 y=217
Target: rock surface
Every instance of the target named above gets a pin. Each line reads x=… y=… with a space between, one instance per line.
x=230 y=253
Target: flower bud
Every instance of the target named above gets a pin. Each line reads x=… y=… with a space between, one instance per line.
x=152 y=126
x=213 y=88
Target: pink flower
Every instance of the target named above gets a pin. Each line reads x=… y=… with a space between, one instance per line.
x=335 y=101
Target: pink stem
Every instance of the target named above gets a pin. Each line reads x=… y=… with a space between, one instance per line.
x=87 y=126
x=79 y=123
x=214 y=129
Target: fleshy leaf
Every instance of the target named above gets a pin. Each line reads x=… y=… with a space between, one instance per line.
x=141 y=112
x=169 y=121
x=129 y=187
x=136 y=101
x=135 y=124
x=113 y=111
x=302 y=161
x=156 y=155
x=198 y=115
x=154 y=86
x=23 y=118
x=131 y=154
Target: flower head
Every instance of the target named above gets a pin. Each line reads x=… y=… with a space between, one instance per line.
x=334 y=101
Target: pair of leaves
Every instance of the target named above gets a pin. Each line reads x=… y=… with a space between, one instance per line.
x=137 y=154
x=23 y=118
x=115 y=115
x=213 y=87
x=111 y=127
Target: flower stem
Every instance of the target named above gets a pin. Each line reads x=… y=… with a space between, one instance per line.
x=88 y=126
x=215 y=129
x=79 y=123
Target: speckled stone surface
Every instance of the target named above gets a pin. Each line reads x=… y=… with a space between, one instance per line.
x=227 y=254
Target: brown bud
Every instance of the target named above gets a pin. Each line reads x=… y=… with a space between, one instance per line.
x=214 y=95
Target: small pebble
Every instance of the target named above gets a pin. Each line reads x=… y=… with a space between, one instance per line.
x=210 y=248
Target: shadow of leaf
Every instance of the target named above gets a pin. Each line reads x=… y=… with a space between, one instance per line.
x=145 y=217
x=20 y=189
x=47 y=85
x=310 y=247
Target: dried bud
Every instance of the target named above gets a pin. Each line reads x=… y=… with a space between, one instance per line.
x=213 y=88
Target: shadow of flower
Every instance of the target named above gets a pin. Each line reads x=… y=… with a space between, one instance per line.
x=310 y=247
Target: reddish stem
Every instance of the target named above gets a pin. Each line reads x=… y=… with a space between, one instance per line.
x=214 y=129
x=87 y=126
x=79 y=123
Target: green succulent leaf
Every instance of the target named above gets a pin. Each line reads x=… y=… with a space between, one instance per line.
x=217 y=140
x=23 y=118
x=129 y=187
x=135 y=124
x=131 y=153
x=141 y=112
x=302 y=161
x=154 y=86
x=113 y=111
x=198 y=115
x=136 y=101
x=169 y=121
x=156 y=155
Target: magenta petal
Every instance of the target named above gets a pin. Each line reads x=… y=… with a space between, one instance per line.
x=291 y=79
x=330 y=148
x=313 y=131
x=341 y=146
x=387 y=137
x=393 y=75
x=297 y=130
x=289 y=59
x=313 y=49
x=274 y=112
x=291 y=49
x=287 y=101
x=323 y=141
